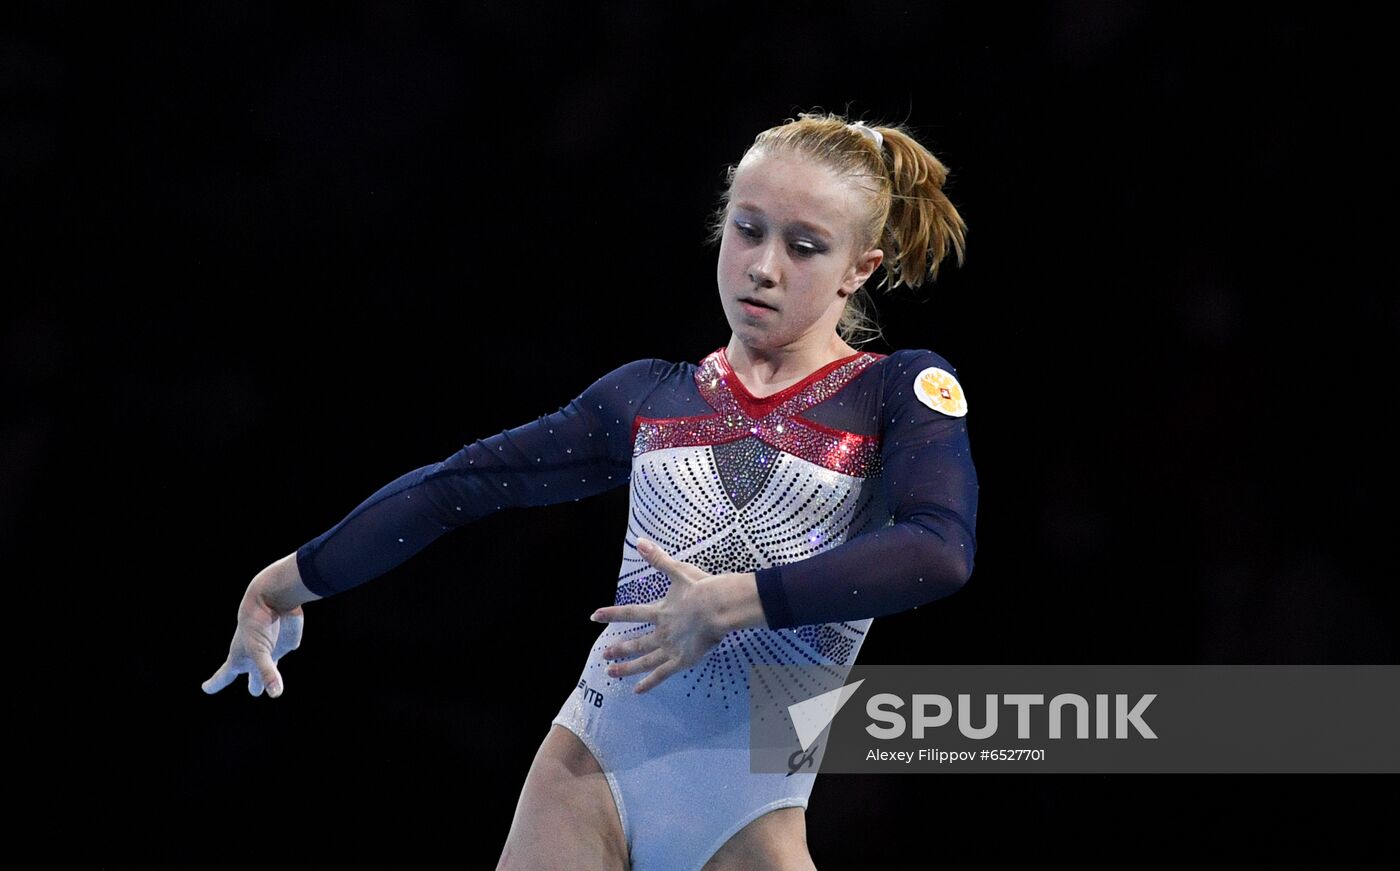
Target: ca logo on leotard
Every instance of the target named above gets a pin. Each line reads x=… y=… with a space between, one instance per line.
x=939 y=389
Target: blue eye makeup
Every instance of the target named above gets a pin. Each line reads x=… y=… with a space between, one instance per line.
x=802 y=247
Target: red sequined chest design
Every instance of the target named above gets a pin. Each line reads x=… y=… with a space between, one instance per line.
x=774 y=420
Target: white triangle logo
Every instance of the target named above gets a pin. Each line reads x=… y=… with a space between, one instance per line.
x=809 y=718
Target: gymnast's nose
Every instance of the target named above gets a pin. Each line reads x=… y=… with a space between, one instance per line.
x=763 y=272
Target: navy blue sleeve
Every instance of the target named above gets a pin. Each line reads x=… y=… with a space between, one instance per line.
x=931 y=487
x=582 y=449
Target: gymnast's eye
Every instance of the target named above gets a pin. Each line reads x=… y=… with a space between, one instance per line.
x=802 y=247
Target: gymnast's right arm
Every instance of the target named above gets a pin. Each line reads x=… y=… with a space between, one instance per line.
x=582 y=449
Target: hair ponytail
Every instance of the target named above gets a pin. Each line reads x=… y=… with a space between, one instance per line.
x=922 y=222
x=919 y=227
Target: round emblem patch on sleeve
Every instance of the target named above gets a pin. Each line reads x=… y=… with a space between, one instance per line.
x=939 y=389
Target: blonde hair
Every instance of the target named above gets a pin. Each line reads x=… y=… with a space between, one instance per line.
x=909 y=217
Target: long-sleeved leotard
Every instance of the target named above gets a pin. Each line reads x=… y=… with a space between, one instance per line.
x=851 y=494
x=587 y=447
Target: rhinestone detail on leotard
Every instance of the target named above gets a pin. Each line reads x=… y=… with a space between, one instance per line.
x=748 y=486
x=777 y=422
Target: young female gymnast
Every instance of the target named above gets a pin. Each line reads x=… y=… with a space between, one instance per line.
x=784 y=491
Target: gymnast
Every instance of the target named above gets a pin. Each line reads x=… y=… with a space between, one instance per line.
x=784 y=490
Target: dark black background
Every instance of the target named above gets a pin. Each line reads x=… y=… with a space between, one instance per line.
x=264 y=260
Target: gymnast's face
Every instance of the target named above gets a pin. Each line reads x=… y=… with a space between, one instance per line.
x=789 y=242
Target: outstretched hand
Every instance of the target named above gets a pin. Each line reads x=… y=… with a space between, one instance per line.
x=263 y=636
x=685 y=624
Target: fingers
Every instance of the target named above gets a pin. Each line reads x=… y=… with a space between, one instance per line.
x=221 y=678
x=665 y=670
x=653 y=554
x=289 y=636
x=624 y=614
x=673 y=568
x=264 y=675
x=272 y=679
x=644 y=663
x=635 y=647
x=259 y=679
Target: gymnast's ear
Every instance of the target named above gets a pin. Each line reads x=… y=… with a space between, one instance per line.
x=861 y=269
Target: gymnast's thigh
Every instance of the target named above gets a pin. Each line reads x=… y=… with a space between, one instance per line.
x=777 y=840
x=566 y=817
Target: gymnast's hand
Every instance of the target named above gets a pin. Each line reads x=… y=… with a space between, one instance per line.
x=265 y=634
x=686 y=624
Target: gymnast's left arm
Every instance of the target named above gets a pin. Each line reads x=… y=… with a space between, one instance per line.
x=931 y=488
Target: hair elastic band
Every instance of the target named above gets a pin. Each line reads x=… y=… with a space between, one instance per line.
x=868 y=133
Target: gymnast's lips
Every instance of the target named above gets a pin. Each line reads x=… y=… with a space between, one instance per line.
x=754 y=301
